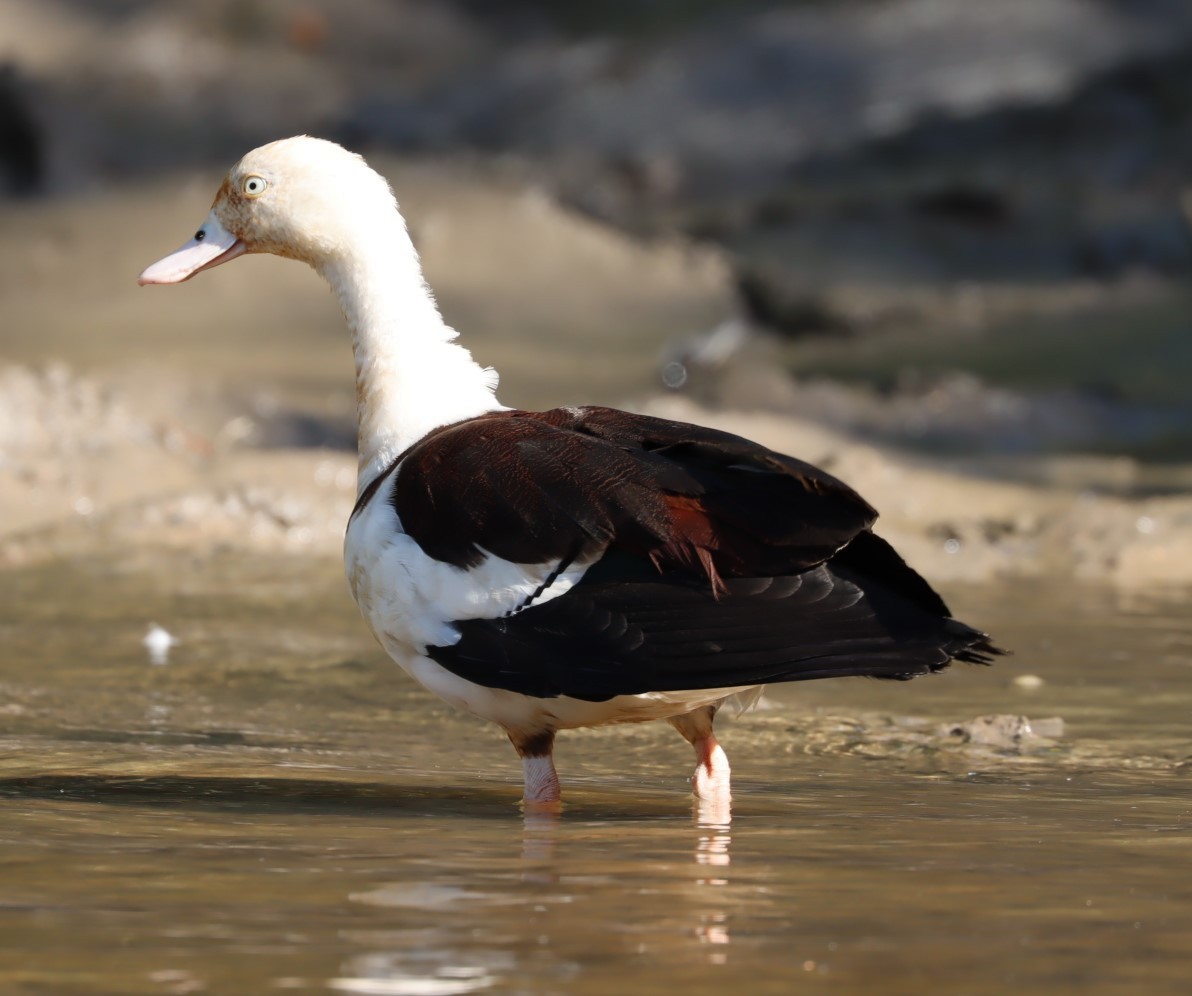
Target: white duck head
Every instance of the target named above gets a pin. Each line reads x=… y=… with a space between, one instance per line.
x=302 y=198
x=311 y=200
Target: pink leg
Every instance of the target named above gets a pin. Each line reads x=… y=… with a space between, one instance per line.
x=541 y=781
x=712 y=778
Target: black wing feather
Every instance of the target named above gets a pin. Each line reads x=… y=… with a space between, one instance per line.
x=609 y=637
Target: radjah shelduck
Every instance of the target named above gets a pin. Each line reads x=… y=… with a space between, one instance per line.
x=573 y=567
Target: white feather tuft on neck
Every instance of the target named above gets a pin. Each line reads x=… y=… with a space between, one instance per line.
x=410 y=375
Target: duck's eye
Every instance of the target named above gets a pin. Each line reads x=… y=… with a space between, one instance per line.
x=254 y=186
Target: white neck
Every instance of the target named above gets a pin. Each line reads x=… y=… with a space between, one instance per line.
x=410 y=376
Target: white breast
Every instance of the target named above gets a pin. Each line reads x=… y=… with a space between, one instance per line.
x=410 y=599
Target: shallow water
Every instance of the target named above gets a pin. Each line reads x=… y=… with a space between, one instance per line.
x=278 y=809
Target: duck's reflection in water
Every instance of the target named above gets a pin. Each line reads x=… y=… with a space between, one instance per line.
x=712 y=849
x=577 y=886
x=712 y=858
x=713 y=842
x=540 y=841
x=714 y=810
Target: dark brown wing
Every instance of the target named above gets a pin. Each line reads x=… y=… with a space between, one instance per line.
x=536 y=487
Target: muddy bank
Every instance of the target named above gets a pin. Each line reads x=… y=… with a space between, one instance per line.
x=83 y=471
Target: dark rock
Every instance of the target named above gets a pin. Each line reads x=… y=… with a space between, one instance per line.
x=22 y=144
x=964 y=204
x=777 y=305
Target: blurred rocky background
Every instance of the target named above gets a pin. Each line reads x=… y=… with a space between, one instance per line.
x=948 y=230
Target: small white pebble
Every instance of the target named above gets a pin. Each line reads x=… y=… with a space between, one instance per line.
x=952 y=545
x=158 y=642
x=1028 y=681
x=84 y=506
x=674 y=375
x=300 y=535
x=239 y=429
x=1145 y=524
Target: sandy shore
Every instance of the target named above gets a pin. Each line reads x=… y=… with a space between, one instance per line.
x=87 y=474
x=139 y=420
